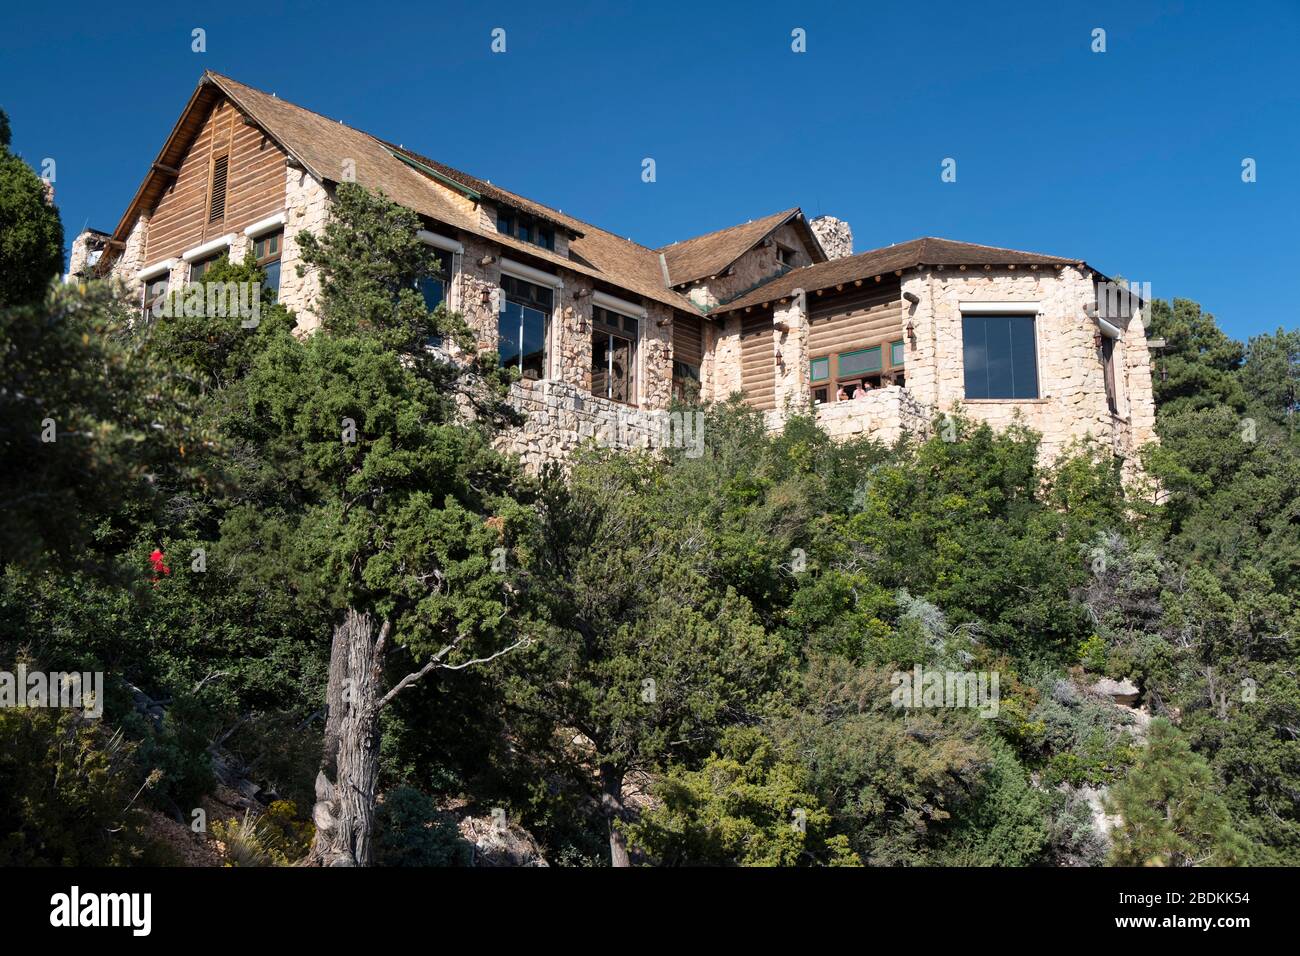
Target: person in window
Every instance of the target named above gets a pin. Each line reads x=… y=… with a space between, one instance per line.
x=862 y=391
x=841 y=395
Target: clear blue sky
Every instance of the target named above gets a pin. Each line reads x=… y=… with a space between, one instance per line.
x=1130 y=159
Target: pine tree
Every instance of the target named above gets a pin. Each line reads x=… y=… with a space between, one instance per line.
x=1170 y=809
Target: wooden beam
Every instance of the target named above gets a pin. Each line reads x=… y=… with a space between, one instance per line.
x=169 y=170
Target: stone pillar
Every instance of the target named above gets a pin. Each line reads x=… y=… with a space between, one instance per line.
x=475 y=283
x=571 y=336
x=655 y=358
x=306 y=204
x=920 y=350
x=131 y=261
x=722 y=365
x=790 y=334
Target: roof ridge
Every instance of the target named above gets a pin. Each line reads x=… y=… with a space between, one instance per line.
x=982 y=245
x=739 y=225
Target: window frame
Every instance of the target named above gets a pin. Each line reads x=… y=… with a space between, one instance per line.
x=267 y=258
x=985 y=311
x=513 y=293
x=884 y=375
x=206 y=262
x=147 y=303
x=538 y=233
x=600 y=326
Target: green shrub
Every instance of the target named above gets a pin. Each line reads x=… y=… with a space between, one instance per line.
x=410 y=831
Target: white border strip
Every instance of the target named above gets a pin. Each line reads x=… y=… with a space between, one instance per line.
x=529 y=274
x=265 y=225
x=199 y=251
x=155 y=270
x=440 y=242
x=615 y=304
x=995 y=308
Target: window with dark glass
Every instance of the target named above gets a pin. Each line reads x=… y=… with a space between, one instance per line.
x=267 y=250
x=152 y=294
x=1108 y=370
x=201 y=266
x=523 y=326
x=436 y=287
x=686 y=381
x=1000 y=356
x=613 y=355
x=785 y=256
x=526 y=229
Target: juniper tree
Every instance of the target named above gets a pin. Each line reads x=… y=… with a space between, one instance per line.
x=379 y=502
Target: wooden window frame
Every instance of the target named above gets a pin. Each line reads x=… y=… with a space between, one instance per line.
x=147 y=302
x=206 y=262
x=884 y=375
x=267 y=258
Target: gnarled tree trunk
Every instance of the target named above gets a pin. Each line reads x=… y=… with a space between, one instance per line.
x=611 y=782
x=347 y=784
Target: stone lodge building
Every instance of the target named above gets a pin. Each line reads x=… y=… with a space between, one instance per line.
x=606 y=332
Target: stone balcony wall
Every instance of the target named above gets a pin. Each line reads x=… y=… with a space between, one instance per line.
x=885 y=415
x=560 y=417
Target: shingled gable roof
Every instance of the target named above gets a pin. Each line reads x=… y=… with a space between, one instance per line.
x=927 y=251
x=322 y=146
x=712 y=253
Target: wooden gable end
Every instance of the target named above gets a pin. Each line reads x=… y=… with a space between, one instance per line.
x=208 y=198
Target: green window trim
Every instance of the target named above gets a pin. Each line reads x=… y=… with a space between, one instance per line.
x=866 y=369
x=896 y=357
x=825 y=363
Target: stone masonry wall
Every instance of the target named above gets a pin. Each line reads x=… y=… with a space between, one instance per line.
x=560 y=417
x=131 y=261
x=655 y=357
x=720 y=376
x=885 y=415
x=1072 y=403
x=306 y=204
x=792 y=385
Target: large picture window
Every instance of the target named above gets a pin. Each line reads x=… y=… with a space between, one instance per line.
x=613 y=355
x=523 y=327
x=1000 y=356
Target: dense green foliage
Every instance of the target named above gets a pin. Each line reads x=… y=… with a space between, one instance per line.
x=713 y=642
x=31 y=234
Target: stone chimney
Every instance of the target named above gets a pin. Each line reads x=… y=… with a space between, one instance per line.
x=835 y=236
x=86 y=250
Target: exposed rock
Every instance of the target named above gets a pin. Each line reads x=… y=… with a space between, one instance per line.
x=1123 y=692
x=500 y=844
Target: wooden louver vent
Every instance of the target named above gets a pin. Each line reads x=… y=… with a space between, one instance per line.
x=217 y=206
